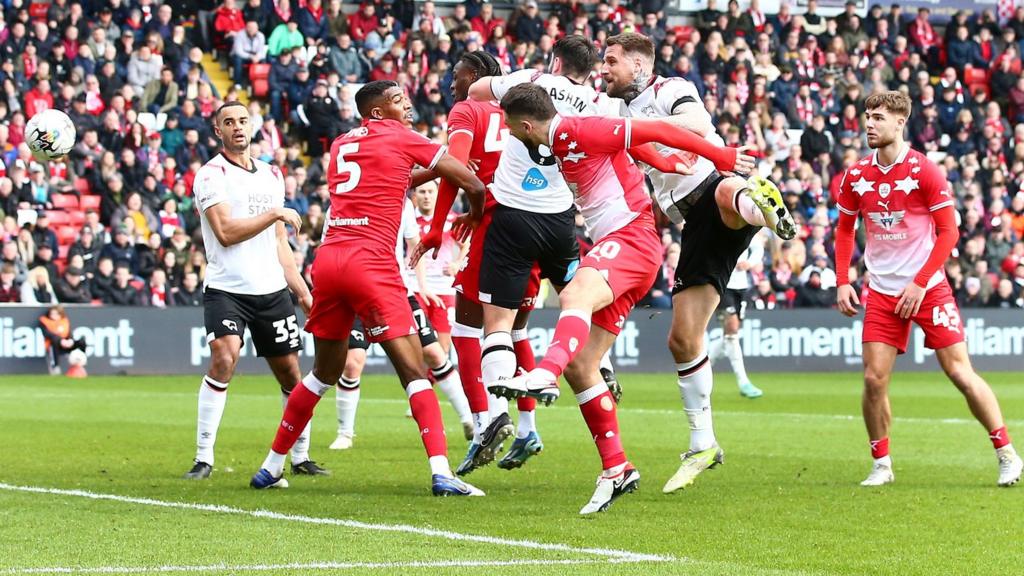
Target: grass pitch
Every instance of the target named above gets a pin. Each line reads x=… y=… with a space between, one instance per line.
x=90 y=483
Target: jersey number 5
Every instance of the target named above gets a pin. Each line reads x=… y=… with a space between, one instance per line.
x=348 y=167
x=494 y=141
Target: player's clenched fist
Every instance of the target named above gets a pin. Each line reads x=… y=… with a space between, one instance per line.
x=289 y=217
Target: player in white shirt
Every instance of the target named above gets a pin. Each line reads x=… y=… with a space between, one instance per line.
x=445 y=374
x=731 y=312
x=722 y=213
x=242 y=213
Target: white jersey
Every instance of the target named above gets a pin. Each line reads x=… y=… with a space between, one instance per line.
x=662 y=98
x=407 y=231
x=250 y=267
x=740 y=279
x=530 y=179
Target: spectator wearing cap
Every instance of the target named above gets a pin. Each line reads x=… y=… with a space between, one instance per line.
x=161 y=94
x=380 y=39
x=284 y=38
x=144 y=66
x=105 y=20
x=172 y=137
x=41 y=232
x=344 y=59
x=80 y=115
x=71 y=287
x=249 y=47
x=45 y=254
x=300 y=87
x=529 y=25
x=88 y=248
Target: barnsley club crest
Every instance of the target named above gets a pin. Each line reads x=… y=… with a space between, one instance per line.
x=884 y=189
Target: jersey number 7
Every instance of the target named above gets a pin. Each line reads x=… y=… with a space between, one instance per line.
x=348 y=167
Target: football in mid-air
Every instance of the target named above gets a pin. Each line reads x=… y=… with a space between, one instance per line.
x=50 y=134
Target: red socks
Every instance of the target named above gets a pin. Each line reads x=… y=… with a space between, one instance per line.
x=571 y=334
x=526 y=361
x=999 y=437
x=466 y=341
x=598 y=410
x=880 y=448
x=297 y=414
x=427 y=413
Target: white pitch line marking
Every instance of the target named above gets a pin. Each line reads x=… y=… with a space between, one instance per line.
x=297 y=566
x=607 y=553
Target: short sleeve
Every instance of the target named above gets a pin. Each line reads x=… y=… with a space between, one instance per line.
x=420 y=149
x=461 y=120
x=500 y=85
x=847 y=201
x=935 y=187
x=210 y=187
x=673 y=94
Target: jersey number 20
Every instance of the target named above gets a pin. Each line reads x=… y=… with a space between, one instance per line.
x=348 y=167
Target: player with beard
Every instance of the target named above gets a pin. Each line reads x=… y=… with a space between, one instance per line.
x=356 y=274
x=250 y=270
x=722 y=213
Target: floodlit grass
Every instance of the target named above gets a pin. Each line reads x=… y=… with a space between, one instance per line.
x=785 y=502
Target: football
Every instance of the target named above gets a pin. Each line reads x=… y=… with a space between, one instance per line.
x=50 y=134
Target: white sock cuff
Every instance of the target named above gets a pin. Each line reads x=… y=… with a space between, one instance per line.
x=463 y=331
x=314 y=384
x=214 y=384
x=348 y=383
x=581 y=314
x=417 y=386
x=591 y=393
x=497 y=339
x=606 y=361
x=520 y=335
x=690 y=365
x=443 y=370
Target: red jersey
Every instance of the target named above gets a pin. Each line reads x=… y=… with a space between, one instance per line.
x=484 y=122
x=610 y=190
x=368 y=176
x=896 y=203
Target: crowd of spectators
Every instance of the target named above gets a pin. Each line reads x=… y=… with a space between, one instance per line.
x=131 y=75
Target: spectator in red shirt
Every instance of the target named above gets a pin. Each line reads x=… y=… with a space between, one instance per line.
x=485 y=23
x=363 y=22
x=227 y=22
x=38 y=99
x=385 y=69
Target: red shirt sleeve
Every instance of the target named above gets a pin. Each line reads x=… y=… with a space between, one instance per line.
x=935 y=187
x=591 y=135
x=419 y=149
x=847 y=201
x=461 y=120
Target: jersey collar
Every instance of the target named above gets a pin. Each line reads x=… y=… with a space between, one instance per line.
x=552 y=130
x=899 y=159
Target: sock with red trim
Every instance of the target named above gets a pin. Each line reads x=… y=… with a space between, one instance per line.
x=427 y=413
x=999 y=437
x=212 y=397
x=571 y=334
x=297 y=413
x=527 y=361
x=598 y=409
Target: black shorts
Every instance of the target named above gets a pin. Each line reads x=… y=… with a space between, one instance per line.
x=357 y=338
x=423 y=327
x=515 y=241
x=269 y=317
x=708 y=248
x=733 y=304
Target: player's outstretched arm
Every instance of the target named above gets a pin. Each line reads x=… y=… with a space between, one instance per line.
x=649 y=155
x=846 y=296
x=292 y=274
x=725 y=159
x=459 y=176
x=459 y=145
x=480 y=90
x=230 y=231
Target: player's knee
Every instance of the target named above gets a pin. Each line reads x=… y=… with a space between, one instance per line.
x=354 y=365
x=961 y=374
x=434 y=355
x=875 y=382
x=222 y=362
x=683 y=347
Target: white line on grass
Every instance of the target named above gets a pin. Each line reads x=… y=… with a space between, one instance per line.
x=298 y=566
x=606 y=553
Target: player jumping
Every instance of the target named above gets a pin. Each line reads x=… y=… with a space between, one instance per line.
x=722 y=213
x=250 y=270
x=910 y=224
x=616 y=273
x=355 y=273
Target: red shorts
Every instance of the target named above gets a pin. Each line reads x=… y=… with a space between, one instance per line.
x=440 y=317
x=628 y=259
x=467 y=281
x=939 y=317
x=350 y=282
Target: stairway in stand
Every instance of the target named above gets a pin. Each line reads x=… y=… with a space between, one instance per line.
x=222 y=78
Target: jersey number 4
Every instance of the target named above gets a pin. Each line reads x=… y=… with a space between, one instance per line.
x=494 y=141
x=348 y=167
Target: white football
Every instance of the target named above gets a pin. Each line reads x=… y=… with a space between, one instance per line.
x=77 y=358
x=50 y=134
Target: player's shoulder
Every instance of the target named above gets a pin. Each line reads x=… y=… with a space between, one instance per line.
x=215 y=166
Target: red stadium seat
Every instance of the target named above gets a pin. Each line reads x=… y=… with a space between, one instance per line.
x=137 y=284
x=974 y=75
x=64 y=201
x=37 y=11
x=66 y=235
x=62 y=251
x=82 y=186
x=58 y=218
x=77 y=218
x=91 y=202
x=258 y=78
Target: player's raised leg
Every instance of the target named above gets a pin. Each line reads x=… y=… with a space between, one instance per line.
x=984 y=406
x=583 y=374
x=879 y=359
x=691 y=311
x=756 y=201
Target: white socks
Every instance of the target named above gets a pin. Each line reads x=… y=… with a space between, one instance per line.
x=346 y=401
x=527 y=424
x=497 y=358
x=733 y=351
x=695 y=383
x=212 y=396
x=450 y=383
x=749 y=211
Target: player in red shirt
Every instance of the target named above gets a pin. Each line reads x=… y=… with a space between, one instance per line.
x=910 y=230
x=617 y=271
x=356 y=273
x=477 y=132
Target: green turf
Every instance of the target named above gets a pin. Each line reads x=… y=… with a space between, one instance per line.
x=786 y=501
